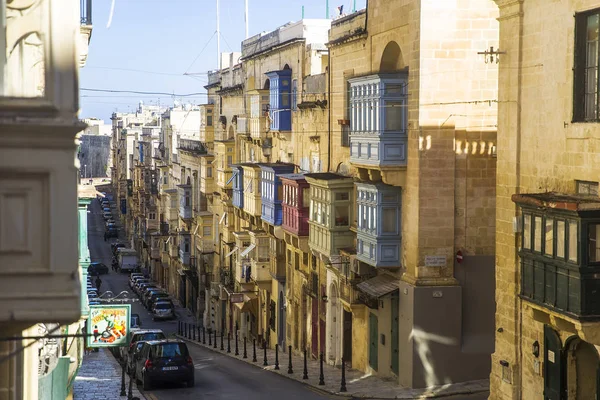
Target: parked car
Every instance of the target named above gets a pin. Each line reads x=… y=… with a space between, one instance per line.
x=134 y=277
x=97 y=268
x=92 y=293
x=141 y=334
x=110 y=225
x=117 y=245
x=164 y=361
x=145 y=289
x=106 y=215
x=112 y=232
x=157 y=300
x=133 y=355
x=163 y=310
x=148 y=294
x=106 y=209
x=138 y=282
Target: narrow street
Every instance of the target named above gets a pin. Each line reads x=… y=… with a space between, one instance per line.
x=217 y=376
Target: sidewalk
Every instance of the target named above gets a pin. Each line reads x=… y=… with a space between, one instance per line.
x=358 y=384
x=100 y=378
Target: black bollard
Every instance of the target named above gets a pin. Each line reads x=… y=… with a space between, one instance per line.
x=254 y=350
x=343 y=386
x=194 y=332
x=184 y=329
x=245 y=353
x=189 y=332
x=290 y=370
x=179 y=327
x=123 y=380
x=229 y=342
x=204 y=336
x=277 y=356
x=265 y=363
x=210 y=338
x=237 y=352
x=199 y=337
x=321 y=376
x=215 y=343
x=305 y=375
x=222 y=348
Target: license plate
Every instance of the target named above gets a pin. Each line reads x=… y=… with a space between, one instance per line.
x=170 y=368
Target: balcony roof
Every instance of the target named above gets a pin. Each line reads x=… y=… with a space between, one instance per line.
x=379 y=286
x=558 y=201
x=293 y=177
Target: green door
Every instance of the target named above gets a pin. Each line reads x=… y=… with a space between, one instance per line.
x=373 y=348
x=553 y=371
x=395 y=338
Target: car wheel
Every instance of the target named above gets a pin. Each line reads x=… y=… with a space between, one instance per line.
x=147 y=385
x=190 y=383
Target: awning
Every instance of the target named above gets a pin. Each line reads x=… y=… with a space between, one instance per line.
x=222 y=217
x=231 y=252
x=248 y=250
x=250 y=303
x=379 y=286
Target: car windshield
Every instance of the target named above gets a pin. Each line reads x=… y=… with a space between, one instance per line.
x=165 y=350
x=150 y=336
x=163 y=306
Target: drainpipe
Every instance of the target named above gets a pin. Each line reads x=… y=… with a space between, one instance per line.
x=330 y=53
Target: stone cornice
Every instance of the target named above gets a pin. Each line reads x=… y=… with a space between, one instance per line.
x=39 y=133
x=509 y=8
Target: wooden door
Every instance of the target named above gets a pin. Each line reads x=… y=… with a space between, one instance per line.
x=553 y=365
x=315 y=328
x=394 y=336
x=373 y=341
x=347 y=336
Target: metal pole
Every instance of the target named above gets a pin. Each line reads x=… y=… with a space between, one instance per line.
x=130 y=391
x=254 y=350
x=245 y=353
x=179 y=327
x=343 y=386
x=210 y=338
x=321 y=376
x=194 y=331
x=276 y=356
x=237 y=351
x=215 y=343
x=246 y=17
x=199 y=340
x=184 y=329
x=305 y=375
x=229 y=342
x=204 y=335
x=222 y=348
x=218 y=40
x=290 y=370
x=123 y=379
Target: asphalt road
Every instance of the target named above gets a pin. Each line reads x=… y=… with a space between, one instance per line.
x=218 y=377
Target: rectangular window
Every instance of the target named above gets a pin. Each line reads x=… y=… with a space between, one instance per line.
x=587 y=188
x=294 y=94
x=209 y=172
x=206 y=230
x=305 y=197
x=341 y=215
x=549 y=235
x=593 y=242
x=537 y=234
x=573 y=241
x=229 y=160
x=585 y=79
x=527 y=231
x=393 y=116
x=389 y=220
x=341 y=196
x=209 y=120
x=560 y=239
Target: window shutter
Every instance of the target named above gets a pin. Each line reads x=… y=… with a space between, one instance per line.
x=579 y=68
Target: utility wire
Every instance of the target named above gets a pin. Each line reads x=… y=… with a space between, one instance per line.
x=199 y=54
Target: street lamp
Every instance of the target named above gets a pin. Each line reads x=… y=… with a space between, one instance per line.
x=84 y=171
x=266 y=147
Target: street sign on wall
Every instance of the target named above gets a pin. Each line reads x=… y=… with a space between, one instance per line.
x=108 y=325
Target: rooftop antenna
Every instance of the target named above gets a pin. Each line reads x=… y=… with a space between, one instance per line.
x=218 y=40
x=246 y=17
x=326 y=9
x=302 y=12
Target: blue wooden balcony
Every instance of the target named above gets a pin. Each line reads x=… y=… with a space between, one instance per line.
x=272 y=191
x=378 y=224
x=280 y=87
x=238 y=186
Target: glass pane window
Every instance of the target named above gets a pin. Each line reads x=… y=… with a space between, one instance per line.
x=549 y=232
x=537 y=234
x=390 y=217
x=573 y=241
x=393 y=116
x=591 y=68
x=527 y=231
x=341 y=215
x=305 y=197
x=560 y=239
x=593 y=242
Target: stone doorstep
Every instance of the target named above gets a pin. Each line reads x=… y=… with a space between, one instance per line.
x=392 y=391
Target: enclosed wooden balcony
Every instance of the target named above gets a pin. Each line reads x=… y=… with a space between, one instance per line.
x=560 y=253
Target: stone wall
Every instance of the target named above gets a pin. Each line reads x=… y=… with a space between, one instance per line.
x=94 y=153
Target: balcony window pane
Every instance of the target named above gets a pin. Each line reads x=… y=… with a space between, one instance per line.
x=341 y=215
x=527 y=231
x=342 y=196
x=305 y=197
x=549 y=249
x=560 y=239
x=537 y=234
x=389 y=220
x=393 y=116
x=593 y=242
x=573 y=241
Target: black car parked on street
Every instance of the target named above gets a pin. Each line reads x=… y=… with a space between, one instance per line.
x=97 y=268
x=164 y=361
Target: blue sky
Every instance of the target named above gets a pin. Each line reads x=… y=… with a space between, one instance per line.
x=165 y=37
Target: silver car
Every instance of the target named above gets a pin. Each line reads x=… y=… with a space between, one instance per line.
x=163 y=310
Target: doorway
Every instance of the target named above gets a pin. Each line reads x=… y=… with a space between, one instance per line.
x=373 y=341
x=281 y=325
x=394 y=334
x=347 y=337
